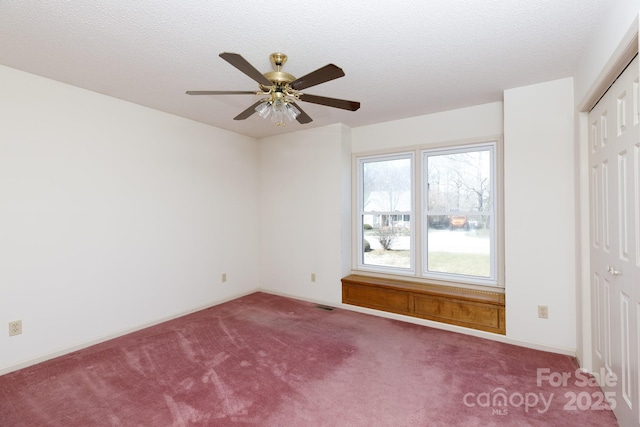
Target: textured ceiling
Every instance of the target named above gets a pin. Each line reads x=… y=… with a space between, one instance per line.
x=401 y=59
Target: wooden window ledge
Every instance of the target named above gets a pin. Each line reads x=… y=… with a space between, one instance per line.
x=482 y=310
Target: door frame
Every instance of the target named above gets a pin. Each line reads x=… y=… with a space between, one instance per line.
x=624 y=53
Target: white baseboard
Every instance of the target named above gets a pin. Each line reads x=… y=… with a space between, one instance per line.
x=438 y=325
x=460 y=329
x=424 y=322
x=67 y=350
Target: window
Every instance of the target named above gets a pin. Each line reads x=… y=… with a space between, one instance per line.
x=453 y=193
x=458 y=196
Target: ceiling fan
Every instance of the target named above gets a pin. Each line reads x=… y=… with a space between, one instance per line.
x=281 y=90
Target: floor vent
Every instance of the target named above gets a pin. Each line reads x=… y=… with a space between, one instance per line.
x=324 y=307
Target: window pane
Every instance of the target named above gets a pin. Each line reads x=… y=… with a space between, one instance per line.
x=386 y=185
x=464 y=249
x=459 y=182
x=386 y=212
x=387 y=241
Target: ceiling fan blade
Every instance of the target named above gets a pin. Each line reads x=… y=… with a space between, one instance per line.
x=220 y=92
x=303 y=117
x=243 y=65
x=321 y=75
x=330 y=102
x=248 y=112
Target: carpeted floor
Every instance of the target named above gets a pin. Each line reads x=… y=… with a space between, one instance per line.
x=265 y=360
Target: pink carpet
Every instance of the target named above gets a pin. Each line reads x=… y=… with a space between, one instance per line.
x=264 y=360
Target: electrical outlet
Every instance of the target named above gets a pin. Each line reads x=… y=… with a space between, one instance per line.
x=543 y=312
x=224 y=277
x=313 y=277
x=15 y=328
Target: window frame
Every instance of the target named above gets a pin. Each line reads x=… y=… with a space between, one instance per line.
x=359 y=209
x=492 y=280
x=418 y=200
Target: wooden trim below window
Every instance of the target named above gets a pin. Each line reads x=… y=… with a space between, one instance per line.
x=482 y=310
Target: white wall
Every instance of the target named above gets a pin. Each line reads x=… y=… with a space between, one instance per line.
x=113 y=216
x=304 y=223
x=455 y=125
x=540 y=212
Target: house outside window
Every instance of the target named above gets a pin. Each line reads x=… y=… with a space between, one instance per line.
x=430 y=213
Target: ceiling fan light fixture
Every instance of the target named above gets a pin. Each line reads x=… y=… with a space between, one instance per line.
x=278 y=110
x=264 y=109
x=292 y=111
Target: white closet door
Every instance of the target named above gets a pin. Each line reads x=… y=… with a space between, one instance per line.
x=614 y=160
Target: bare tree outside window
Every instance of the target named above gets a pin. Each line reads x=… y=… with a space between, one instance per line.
x=459 y=182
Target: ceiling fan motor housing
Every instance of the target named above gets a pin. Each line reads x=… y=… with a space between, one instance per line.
x=279 y=77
